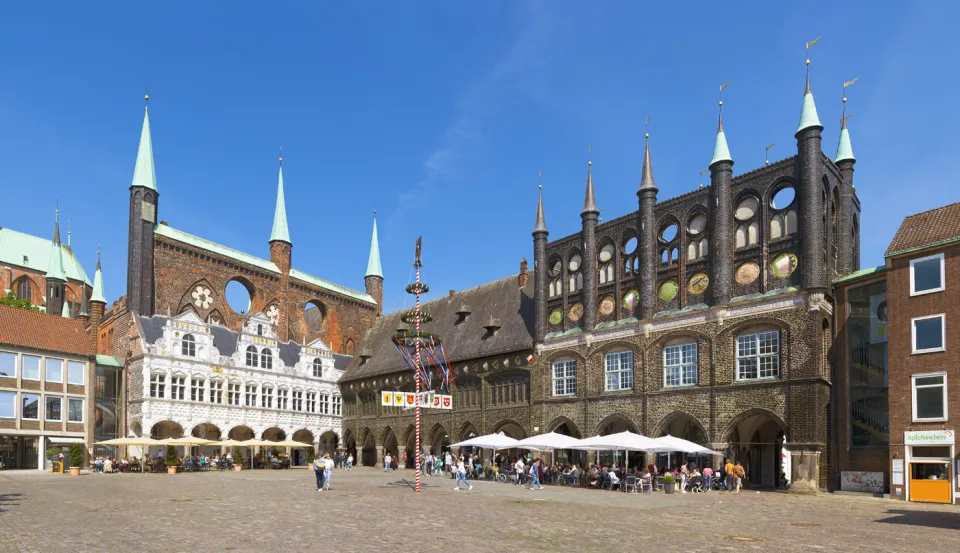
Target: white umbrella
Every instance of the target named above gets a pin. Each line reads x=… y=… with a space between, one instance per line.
x=549 y=441
x=625 y=441
x=490 y=441
x=668 y=443
x=133 y=441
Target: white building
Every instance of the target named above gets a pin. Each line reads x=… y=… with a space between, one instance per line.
x=205 y=380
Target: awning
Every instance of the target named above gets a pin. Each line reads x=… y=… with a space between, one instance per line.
x=59 y=440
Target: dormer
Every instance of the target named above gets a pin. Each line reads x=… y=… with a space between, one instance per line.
x=259 y=324
x=316 y=361
x=462 y=313
x=257 y=345
x=186 y=336
x=492 y=326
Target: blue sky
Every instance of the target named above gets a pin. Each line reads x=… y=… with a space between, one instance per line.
x=441 y=114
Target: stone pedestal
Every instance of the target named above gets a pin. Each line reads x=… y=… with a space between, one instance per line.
x=805 y=467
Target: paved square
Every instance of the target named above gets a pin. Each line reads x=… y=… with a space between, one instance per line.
x=281 y=511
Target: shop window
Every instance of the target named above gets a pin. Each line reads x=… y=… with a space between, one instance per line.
x=758 y=355
x=565 y=378
x=929 y=334
x=680 y=364
x=929 y=397
x=619 y=370
x=926 y=275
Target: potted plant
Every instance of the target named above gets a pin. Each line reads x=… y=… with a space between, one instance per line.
x=76 y=459
x=669 y=484
x=171 y=460
x=311 y=455
x=237 y=459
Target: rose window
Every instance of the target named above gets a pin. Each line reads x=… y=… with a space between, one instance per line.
x=273 y=314
x=202 y=297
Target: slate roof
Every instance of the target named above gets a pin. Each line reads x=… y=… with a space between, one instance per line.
x=33 y=252
x=225 y=340
x=501 y=299
x=30 y=329
x=934 y=227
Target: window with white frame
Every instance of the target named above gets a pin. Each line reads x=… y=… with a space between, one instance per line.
x=30 y=365
x=216 y=391
x=336 y=405
x=311 y=402
x=282 y=398
x=252 y=356
x=317 y=368
x=251 y=398
x=266 y=358
x=75 y=373
x=196 y=389
x=619 y=370
x=158 y=385
x=74 y=409
x=266 y=400
x=929 y=397
x=680 y=364
x=927 y=275
x=565 y=378
x=758 y=355
x=188 y=346
x=54 y=408
x=233 y=393
x=30 y=410
x=929 y=333
x=8 y=405
x=324 y=404
x=178 y=387
x=53 y=370
x=297 y=400
x=8 y=364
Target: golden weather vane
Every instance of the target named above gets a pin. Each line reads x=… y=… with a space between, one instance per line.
x=702 y=173
x=766 y=161
x=724 y=85
x=281 y=155
x=646 y=127
x=806 y=53
x=843 y=119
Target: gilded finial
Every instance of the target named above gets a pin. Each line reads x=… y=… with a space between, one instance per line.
x=806 y=53
x=281 y=155
x=146 y=94
x=590 y=155
x=646 y=127
x=765 y=160
x=702 y=173
x=540 y=186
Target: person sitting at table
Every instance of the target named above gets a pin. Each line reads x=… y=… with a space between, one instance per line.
x=614 y=480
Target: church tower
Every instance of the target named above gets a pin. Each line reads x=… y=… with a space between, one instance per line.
x=589 y=224
x=845 y=162
x=143 y=217
x=540 y=234
x=374 y=277
x=721 y=217
x=811 y=193
x=281 y=250
x=647 y=197
x=56 y=277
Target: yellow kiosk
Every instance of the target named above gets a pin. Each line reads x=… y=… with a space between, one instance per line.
x=929 y=459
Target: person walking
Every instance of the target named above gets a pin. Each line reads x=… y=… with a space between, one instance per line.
x=386 y=462
x=350 y=462
x=738 y=476
x=708 y=474
x=327 y=470
x=461 y=471
x=318 y=466
x=684 y=475
x=519 y=468
x=728 y=470
x=535 y=475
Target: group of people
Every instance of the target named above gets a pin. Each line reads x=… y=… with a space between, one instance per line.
x=449 y=463
x=323 y=468
x=110 y=464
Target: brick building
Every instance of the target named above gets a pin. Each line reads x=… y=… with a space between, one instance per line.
x=707 y=316
x=171 y=272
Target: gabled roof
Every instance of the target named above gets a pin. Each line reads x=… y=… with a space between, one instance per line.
x=204 y=244
x=931 y=228
x=502 y=299
x=33 y=252
x=29 y=329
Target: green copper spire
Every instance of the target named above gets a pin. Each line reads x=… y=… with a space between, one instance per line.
x=720 y=150
x=808 y=115
x=844 y=150
x=98 y=284
x=65 y=312
x=373 y=264
x=55 y=268
x=280 y=231
x=144 y=174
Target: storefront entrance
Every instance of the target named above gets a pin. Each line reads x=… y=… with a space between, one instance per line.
x=930 y=482
x=18 y=452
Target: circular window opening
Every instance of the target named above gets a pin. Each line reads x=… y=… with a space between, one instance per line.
x=575 y=262
x=630 y=246
x=668 y=233
x=555 y=267
x=697 y=224
x=747 y=208
x=313 y=314
x=783 y=197
x=606 y=253
x=238 y=296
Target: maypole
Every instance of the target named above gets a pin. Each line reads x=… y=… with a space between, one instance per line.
x=419 y=367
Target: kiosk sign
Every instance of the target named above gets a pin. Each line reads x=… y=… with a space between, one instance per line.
x=929 y=437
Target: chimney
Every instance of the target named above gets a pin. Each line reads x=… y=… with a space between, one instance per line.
x=522 y=279
x=452 y=292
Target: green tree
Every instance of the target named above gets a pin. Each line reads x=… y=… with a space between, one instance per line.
x=76 y=455
x=237 y=455
x=12 y=300
x=171 y=460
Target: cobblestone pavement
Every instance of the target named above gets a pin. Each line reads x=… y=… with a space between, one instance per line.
x=281 y=511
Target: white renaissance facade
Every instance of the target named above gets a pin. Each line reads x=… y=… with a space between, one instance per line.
x=204 y=380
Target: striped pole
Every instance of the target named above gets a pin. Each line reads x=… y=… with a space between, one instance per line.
x=416 y=375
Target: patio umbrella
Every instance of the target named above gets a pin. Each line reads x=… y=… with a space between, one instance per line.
x=548 y=441
x=621 y=441
x=490 y=441
x=667 y=444
x=132 y=441
x=239 y=443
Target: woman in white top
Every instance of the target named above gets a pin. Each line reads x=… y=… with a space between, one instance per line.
x=461 y=474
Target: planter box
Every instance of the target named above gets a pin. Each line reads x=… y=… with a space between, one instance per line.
x=171 y=470
x=74 y=471
x=237 y=468
x=669 y=487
